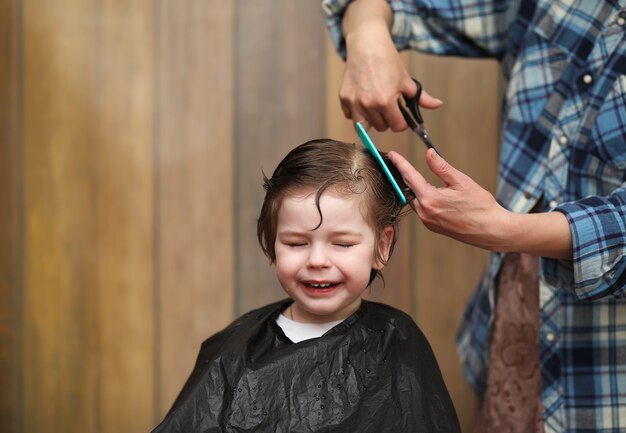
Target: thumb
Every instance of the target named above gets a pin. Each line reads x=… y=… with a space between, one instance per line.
x=442 y=169
x=409 y=89
x=428 y=101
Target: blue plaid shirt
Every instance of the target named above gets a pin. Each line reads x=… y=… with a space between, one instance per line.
x=564 y=149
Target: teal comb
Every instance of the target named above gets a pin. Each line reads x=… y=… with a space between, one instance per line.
x=369 y=145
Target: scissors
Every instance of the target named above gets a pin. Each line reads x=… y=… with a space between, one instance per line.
x=413 y=117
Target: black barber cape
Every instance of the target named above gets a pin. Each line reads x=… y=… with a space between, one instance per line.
x=374 y=372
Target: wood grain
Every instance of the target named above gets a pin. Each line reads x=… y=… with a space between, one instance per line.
x=280 y=97
x=60 y=340
x=195 y=111
x=125 y=214
x=10 y=224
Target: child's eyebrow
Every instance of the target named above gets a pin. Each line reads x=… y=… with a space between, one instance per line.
x=346 y=233
x=291 y=232
x=333 y=233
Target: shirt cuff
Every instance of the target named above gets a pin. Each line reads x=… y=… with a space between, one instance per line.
x=598 y=241
x=334 y=10
x=403 y=16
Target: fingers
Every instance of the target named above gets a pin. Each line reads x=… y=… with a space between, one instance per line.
x=414 y=180
x=364 y=123
x=380 y=115
x=375 y=119
x=393 y=118
x=428 y=101
x=409 y=89
x=443 y=170
x=383 y=114
x=372 y=94
x=391 y=113
x=345 y=107
x=368 y=114
x=374 y=114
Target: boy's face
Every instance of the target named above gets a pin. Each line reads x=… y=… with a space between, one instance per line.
x=325 y=270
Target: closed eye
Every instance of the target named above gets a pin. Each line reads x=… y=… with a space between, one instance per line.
x=344 y=245
x=295 y=244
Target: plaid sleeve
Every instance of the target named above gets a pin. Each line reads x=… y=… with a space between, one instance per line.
x=334 y=10
x=461 y=27
x=598 y=227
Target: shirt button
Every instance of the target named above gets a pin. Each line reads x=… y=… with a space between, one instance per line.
x=621 y=21
x=527 y=195
x=550 y=337
x=553 y=204
x=563 y=140
x=587 y=78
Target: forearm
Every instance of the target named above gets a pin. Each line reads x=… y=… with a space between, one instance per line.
x=366 y=31
x=375 y=75
x=366 y=16
x=544 y=234
x=465 y=211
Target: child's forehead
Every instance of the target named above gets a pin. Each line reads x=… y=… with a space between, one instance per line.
x=337 y=191
x=302 y=195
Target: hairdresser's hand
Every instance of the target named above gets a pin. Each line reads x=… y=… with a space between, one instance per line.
x=461 y=210
x=464 y=211
x=375 y=76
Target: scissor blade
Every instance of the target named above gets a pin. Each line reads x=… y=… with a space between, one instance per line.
x=422 y=133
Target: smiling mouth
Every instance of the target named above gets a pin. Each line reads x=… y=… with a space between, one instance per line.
x=320 y=285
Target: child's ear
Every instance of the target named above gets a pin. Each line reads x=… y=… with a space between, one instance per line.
x=385 y=240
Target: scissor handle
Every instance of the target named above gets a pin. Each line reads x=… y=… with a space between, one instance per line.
x=412 y=103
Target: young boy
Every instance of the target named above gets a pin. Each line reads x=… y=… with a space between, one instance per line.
x=323 y=360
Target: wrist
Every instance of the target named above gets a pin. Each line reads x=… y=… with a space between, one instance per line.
x=374 y=39
x=506 y=229
x=545 y=234
x=364 y=17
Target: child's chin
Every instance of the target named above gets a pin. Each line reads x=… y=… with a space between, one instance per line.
x=326 y=312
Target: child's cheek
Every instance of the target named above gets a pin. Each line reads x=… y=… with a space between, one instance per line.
x=289 y=260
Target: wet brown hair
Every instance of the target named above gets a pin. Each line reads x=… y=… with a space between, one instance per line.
x=345 y=167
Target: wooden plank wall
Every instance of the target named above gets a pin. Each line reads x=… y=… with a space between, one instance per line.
x=195 y=136
x=10 y=223
x=60 y=332
x=133 y=136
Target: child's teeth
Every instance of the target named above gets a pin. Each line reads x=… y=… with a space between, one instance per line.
x=320 y=286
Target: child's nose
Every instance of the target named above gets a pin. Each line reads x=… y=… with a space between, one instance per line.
x=317 y=257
